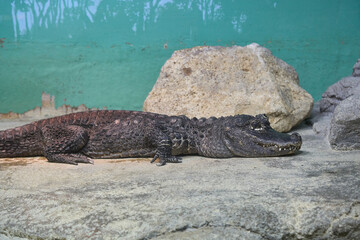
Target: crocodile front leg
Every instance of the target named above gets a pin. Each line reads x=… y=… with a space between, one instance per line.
x=163 y=152
x=163 y=149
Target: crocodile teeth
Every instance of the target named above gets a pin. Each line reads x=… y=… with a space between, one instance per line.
x=286 y=148
x=281 y=149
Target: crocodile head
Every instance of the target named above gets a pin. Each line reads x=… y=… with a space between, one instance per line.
x=249 y=136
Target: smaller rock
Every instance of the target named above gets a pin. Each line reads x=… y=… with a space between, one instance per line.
x=345 y=125
x=356 y=69
x=336 y=116
x=340 y=90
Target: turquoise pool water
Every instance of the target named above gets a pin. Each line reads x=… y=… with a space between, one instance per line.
x=109 y=52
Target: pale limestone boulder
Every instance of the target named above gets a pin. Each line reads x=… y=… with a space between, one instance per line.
x=220 y=81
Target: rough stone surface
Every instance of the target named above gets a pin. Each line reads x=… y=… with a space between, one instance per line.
x=341 y=90
x=320 y=120
x=219 y=81
x=345 y=124
x=312 y=195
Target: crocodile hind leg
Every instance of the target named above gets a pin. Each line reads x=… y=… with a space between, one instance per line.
x=63 y=144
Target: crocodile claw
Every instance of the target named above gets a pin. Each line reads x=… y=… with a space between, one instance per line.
x=154 y=158
x=164 y=160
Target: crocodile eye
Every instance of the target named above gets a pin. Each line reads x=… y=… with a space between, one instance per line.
x=262 y=117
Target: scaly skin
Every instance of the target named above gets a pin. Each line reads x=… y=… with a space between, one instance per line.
x=79 y=137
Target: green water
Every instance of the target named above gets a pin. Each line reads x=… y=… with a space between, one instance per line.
x=109 y=52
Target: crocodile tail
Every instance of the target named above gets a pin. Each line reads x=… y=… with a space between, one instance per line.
x=24 y=141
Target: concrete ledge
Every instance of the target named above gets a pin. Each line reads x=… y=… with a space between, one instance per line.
x=311 y=195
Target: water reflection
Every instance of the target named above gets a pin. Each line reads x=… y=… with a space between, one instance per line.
x=29 y=15
x=45 y=13
x=238 y=22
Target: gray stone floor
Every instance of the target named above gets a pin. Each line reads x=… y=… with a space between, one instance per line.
x=312 y=195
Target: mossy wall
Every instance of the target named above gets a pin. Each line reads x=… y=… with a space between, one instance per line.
x=108 y=53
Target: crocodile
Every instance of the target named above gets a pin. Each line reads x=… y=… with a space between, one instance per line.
x=80 y=137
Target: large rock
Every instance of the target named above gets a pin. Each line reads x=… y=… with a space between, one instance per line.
x=341 y=90
x=345 y=125
x=219 y=81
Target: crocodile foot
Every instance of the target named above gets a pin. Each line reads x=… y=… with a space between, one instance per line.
x=69 y=158
x=165 y=159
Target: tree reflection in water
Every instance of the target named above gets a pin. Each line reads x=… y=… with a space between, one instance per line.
x=30 y=16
